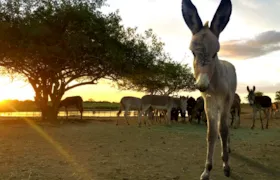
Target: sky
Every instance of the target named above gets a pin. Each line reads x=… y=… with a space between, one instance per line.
x=251 y=42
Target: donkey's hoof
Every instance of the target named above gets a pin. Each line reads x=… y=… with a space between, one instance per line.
x=204 y=176
x=227 y=171
x=229 y=150
x=252 y=127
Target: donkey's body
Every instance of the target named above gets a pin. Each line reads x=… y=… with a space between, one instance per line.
x=235 y=111
x=128 y=103
x=75 y=101
x=190 y=107
x=198 y=111
x=215 y=79
x=258 y=104
x=162 y=103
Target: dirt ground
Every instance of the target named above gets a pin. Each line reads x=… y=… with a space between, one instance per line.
x=100 y=150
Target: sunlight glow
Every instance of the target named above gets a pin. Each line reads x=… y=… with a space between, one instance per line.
x=77 y=167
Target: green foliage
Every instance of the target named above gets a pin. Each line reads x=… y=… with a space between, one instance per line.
x=277 y=96
x=170 y=78
x=258 y=93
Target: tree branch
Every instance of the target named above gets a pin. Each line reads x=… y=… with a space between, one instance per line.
x=81 y=84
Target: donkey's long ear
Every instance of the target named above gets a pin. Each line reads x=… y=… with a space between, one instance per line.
x=254 y=88
x=191 y=16
x=221 y=17
x=248 y=89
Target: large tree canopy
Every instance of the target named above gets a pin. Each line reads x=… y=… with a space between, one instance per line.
x=168 y=78
x=62 y=44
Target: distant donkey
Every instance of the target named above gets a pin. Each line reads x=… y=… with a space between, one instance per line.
x=215 y=79
x=274 y=109
x=259 y=103
x=76 y=101
x=128 y=103
x=235 y=111
x=198 y=111
x=190 y=107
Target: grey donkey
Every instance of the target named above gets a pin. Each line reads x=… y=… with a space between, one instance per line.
x=215 y=79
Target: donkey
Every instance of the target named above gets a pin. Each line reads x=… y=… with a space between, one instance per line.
x=179 y=108
x=274 y=109
x=215 y=79
x=129 y=103
x=198 y=111
x=190 y=107
x=235 y=111
x=259 y=103
x=76 y=101
x=162 y=103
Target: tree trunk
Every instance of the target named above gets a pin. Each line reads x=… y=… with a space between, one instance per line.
x=52 y=113
x=48 y=112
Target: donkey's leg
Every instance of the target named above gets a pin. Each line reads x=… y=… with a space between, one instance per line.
x=66 y=110
x=268 y=112
x=232 y=118
x=237 y=119
x=224 y=134
x=168 y=116
x=212 y=135
x=126 y=114
x=260 y=112
x=139 y=116
x=254 y=118
x=144 y=110
x=149 y=116
x=81 y=112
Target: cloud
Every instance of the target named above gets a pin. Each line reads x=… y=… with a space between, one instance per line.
x=260 y=45
x=260 y=86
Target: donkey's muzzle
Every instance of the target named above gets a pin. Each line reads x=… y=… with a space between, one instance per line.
x=201 y=88
x=202 y=82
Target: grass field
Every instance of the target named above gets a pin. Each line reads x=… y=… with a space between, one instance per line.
x=99 y=150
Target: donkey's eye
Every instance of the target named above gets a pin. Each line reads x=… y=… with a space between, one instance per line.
x=214 y=55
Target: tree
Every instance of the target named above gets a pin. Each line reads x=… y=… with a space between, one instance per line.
x=162 y=76
x=258 y=93
x=168 y=78
x=277 y=96
x=58 y=45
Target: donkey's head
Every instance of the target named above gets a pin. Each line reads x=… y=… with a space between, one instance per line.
x=251 y=95
x=205 y=40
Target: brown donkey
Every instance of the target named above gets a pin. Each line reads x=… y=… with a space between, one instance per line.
x=72 y=101
x=235 y=111
x=215 y=79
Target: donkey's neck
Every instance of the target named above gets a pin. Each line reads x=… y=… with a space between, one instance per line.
x=219 y=82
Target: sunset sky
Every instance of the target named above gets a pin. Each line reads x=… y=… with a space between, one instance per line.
x=250 y=41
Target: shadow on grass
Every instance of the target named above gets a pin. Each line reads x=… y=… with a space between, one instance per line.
x=257 y=165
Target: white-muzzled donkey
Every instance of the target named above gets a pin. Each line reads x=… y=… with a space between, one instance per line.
x=215 y=79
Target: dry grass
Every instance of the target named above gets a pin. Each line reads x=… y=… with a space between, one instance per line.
x=99 y=150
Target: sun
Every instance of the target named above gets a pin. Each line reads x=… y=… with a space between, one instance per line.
x=16 y=89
